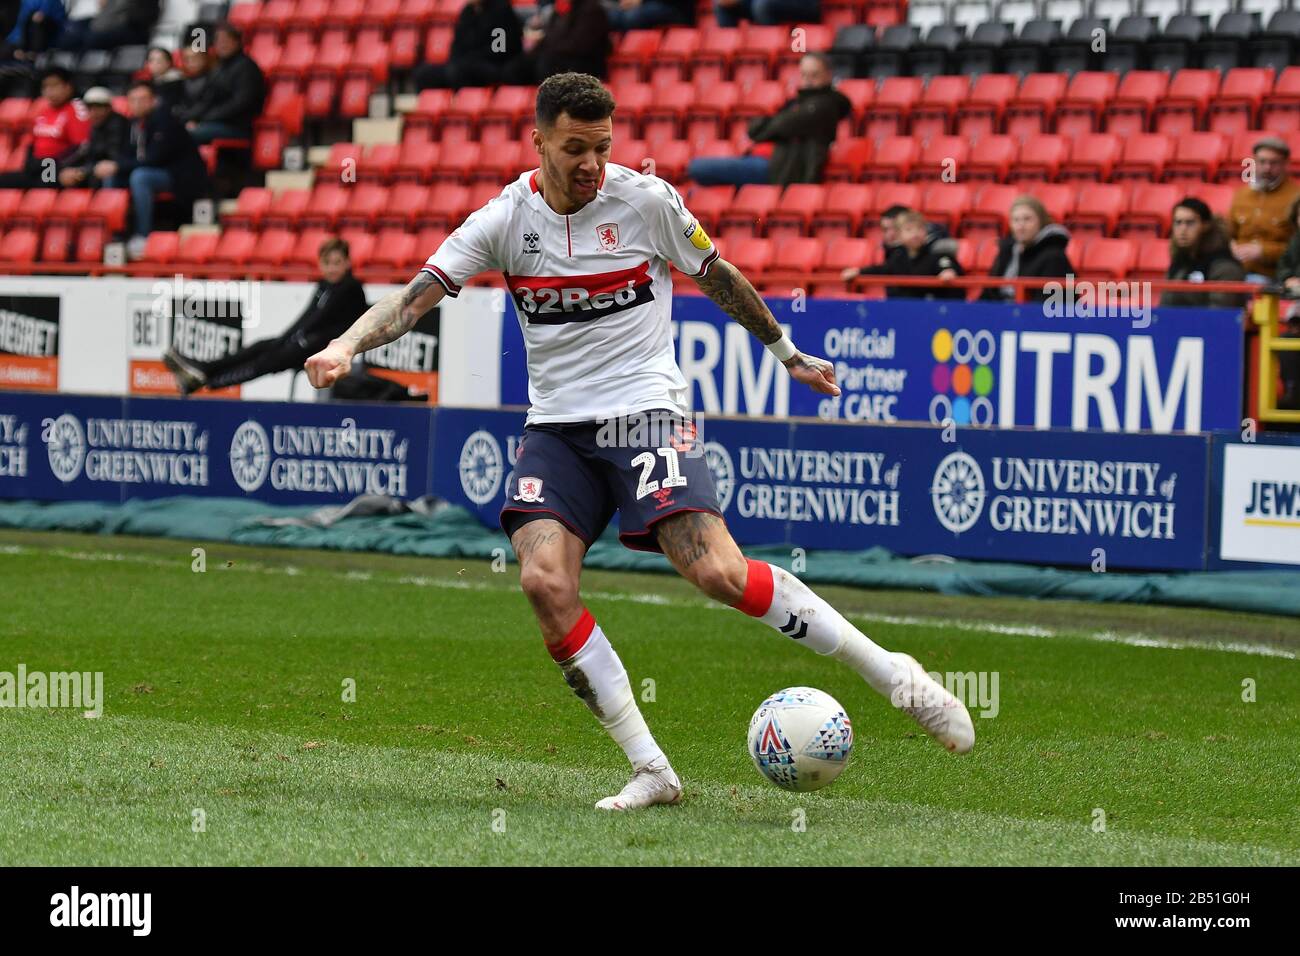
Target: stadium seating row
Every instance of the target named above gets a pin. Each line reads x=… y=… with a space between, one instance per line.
x=985 y=44
x=774 y=264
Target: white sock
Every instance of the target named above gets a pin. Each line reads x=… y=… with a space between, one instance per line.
x=782 y=601
x=593 y=670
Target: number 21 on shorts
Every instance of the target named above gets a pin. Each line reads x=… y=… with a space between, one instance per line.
x=646 y=462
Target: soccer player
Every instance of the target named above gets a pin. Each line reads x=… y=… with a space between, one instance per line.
x=585 y=246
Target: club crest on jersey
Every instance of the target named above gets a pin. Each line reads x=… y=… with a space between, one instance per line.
x=531 y=243
x=607 y=234
x=530 y=490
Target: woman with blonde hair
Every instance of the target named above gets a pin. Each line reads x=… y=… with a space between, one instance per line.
x=1034 y=247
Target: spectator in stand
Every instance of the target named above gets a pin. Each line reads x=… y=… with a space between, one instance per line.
x=488 y=35
x=159 y=156
x=767 y=12
x=233 y=97
x=566 y=36
x=1288 y=276
x=647 y=14
x=1199 y=252
x=802 y=129
x=117 y=23
x=60 y=126
x=109 y=132
x=196 y=74
x=1258 y=224
x=1036 y=246
x=160 y=70
x=338 y=301
x=924 y=255
x=39 y=25
x=893 y=254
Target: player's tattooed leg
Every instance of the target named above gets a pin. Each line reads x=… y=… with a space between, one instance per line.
x=702 y=550
x=550 y=565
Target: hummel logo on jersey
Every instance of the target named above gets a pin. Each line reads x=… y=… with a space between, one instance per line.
x=608 y=236
x=531 y=240
x=557 y=300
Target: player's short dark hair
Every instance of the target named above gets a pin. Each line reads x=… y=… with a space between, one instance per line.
x=894 y=210
x=334 y=244
x=59 y=73
x=580 y=95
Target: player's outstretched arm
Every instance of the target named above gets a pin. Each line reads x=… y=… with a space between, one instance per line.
x=388 y=319
x=737 y=297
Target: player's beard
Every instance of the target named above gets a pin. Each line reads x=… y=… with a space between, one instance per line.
x=566 y=184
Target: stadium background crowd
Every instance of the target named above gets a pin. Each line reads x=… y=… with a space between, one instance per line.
x=851 y=139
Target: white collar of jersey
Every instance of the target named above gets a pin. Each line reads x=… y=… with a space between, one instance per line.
x=538 y=200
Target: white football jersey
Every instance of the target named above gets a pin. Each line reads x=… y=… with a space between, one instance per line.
x=592 y=290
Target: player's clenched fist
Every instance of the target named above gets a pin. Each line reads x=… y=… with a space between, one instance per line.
x=329 y=364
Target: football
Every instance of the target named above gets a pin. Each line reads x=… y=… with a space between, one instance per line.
x=800 y=738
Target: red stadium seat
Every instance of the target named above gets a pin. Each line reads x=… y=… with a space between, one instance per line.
x=797 y=258
x=669 y=160
x=982 y=112
x=344 y=158
x=1097 y=208
x=752 y=257
x=1058 y=198
x=306 y=247
x=1152 y=261
x=1182 y=109
x=90 y=242
x=378 y=162
x=197 y=248
x=110 y=206
x=676 y=49
x=502 y=162
x=1197 y=157
x=665 y=117
x=428 y=241
x=1281 y=109
x=1092 y=156
x=709 y=203
x=1144 y=157
x=404 y=47
x=1041 y=156
x=935 y=112
x=888 y=114
x=986 y=253
x=1086 y=97
x=1218 y=196
x=273 y=247
x=286 y=208
x=354 y=96
x=55 y=242
x=9 y=200
x=161 y=247
x=509 y=106
x=447 y=206
x=33 y=208
x=842 y=209
x=887 y=195
x=892 y=159
x=712 y=60
x=1134 y=103
x=361 y=245
x=987 y=213
x=861 y=94
x=1033 y=106
x=1240 y=152
x=793 y=213
x=842 y=253
x=416 y=161
x=365 y=203
x=71 y=206
x=845 y=160
x=395 y=249
x=1149 y=209
x=406 y=203
x=633 y=54
x=712 y=103
x=459 y=163
x=991 y=158
x=235 y=247
x=945 y=202
x=750 y=209
x=250 y=206
x=1237 y=104
x=1110 y=258
x=943 y=158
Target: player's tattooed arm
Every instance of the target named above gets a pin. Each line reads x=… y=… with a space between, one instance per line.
x=736 y=296
x=394 y=315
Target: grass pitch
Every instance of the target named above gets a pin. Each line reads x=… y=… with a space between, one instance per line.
x=224 y=705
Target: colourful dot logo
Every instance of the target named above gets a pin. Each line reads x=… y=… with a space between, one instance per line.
x=963 y=377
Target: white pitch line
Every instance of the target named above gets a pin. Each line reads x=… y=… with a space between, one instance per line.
x=1135 y=639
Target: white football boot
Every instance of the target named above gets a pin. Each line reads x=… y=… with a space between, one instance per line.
x=930 y=704
x=653 y=783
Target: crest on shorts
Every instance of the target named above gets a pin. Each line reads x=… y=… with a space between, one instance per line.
x=608 y=236
x=530 y=490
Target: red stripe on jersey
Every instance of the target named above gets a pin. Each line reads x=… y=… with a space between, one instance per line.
x=575 y=639
x=568 y=235
x=452 y=289
x=532 y=181
x=600 y=282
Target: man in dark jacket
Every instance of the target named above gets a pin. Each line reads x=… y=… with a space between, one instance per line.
x=109 y=131
x=487 y=36
x=1199 y=251
x=924 y=254
x=567 y=36
x=803 y=130
x=1036 y=246
x=893 y=254
x=159 y=156
x=234 y=95
x=337 y=302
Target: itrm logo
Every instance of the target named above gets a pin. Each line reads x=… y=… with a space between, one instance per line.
x=75 y=909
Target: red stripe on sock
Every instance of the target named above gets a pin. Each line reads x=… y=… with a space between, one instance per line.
x=575 y=639
x=757 y=599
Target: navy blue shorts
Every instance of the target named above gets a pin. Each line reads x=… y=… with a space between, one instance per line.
x=646 y=466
